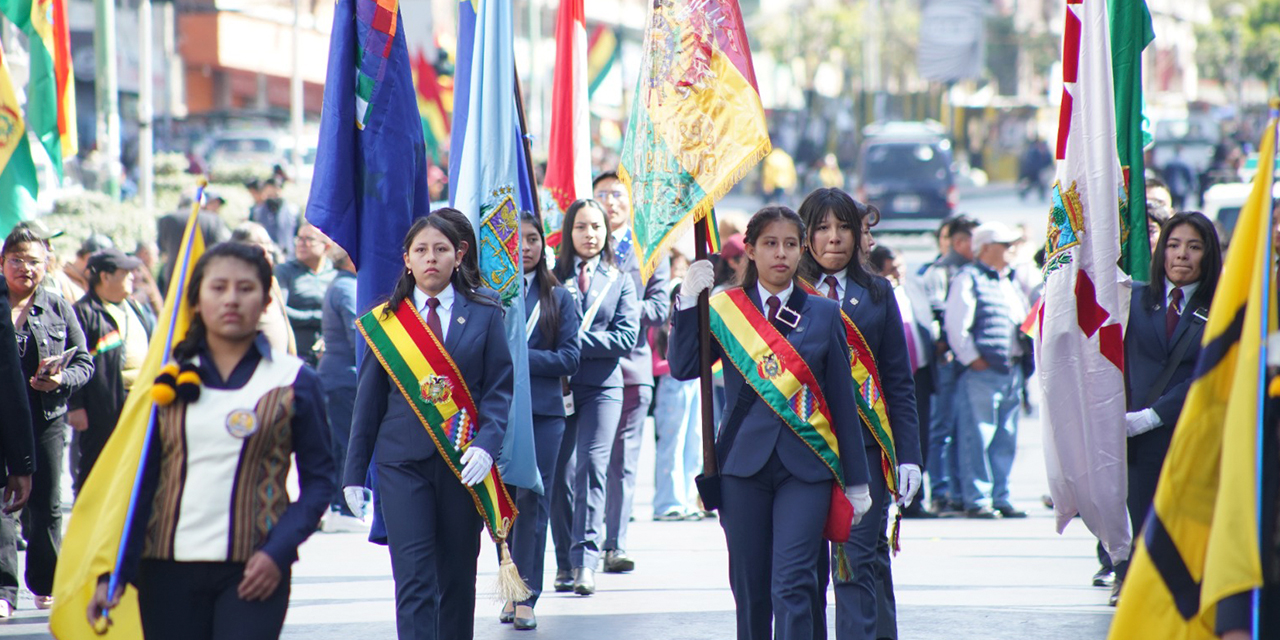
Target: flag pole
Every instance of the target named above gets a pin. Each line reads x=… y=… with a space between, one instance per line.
x=701 y=231
x=528 y=149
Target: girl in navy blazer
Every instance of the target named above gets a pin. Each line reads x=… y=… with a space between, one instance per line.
x=839 y=246
x=552 y=320
x=433 y=528
x=1173 y=308
x=610 y=326
x=776 y=492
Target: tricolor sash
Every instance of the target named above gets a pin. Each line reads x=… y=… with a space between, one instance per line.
x=871 y=405
x=771 y=365
x=418 y=364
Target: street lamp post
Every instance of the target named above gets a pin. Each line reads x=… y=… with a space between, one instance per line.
x=107 y=94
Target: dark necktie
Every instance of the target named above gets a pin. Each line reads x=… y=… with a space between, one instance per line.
x=773 y=303
x=582 y=279
x=433 y=318
x=830 y=281
x=1171 y=314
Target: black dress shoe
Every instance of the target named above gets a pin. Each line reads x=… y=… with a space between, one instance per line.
x=1009 y=511
x=507 y=616
x=584 y=581
x=1122 y=569
x=1103 y=578
x=564 y=581
x=918 y=512
x=980 y=513
x=617 y=561
x=526 y=624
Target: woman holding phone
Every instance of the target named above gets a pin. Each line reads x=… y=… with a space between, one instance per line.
x=55 y=363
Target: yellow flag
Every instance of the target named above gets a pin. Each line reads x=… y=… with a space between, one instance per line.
x=1201 y=543
x=94 y=533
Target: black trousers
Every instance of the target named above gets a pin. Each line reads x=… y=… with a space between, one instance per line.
x=529 y=533
x=42 y=517
x=198 y=601
x=773 y=526
x=865 y=606
x=433 y=530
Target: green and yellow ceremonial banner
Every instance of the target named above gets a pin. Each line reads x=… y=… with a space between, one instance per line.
x=96 y=538
x=51 y=91
x=18 y=183
x=771 y=365
x=1131 y=32
x=870 y=398
x=430 y=381
x=697 y=124
x=1200 y=542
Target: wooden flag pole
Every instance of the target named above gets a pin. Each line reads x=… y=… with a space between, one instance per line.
x=528 y=150
x=709 y=467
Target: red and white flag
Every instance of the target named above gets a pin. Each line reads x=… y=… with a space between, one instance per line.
x=569 y=154
x=1080 y=350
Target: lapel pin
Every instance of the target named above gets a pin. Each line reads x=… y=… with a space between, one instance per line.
x=462 y=320
x=853 y=301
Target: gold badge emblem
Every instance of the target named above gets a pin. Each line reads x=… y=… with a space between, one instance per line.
x=769 y=367
x=242 y=423
x=435 y=389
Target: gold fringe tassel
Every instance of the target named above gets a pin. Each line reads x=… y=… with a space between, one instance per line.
x=510 y=586
x=844 y=569
x=894 y=535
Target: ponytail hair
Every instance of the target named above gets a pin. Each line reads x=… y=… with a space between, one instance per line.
x=252 y=255
x=763 y=218
x=465 y=278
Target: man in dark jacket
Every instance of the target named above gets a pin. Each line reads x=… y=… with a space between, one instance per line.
x=17 y=448
x=117 y=332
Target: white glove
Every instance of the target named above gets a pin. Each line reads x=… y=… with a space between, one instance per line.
x=700 y=277
x=476 y=463
x=356 y=499
x=1140 y=422
x=860 y=498
x=908 y=483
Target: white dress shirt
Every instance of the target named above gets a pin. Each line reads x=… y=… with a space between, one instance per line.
x=1187 y=291
x=445 y=310
x=592 y=265
x=764 y=296
x=842 y=285
x=528 y=280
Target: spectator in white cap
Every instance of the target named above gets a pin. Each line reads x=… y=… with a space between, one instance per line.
x=984 y=314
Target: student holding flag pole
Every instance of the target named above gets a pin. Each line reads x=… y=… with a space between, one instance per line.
x=213 y=532
x=552 y=320
x=839 y=243
x=430 y=406
x=789 y=452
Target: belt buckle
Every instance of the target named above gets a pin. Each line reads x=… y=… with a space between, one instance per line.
x=791 y=318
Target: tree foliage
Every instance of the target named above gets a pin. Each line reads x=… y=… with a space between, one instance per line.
x=1256 y=25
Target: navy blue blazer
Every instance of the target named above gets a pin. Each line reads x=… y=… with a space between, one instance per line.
x=819 y=338
x=1147 y=349
x=551 y=357
x=655 y=309
x=880 y=322
x=384 y=422
x=613 y=331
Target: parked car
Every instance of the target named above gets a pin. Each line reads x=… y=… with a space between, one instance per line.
x=905 y=170
x=1222 y=204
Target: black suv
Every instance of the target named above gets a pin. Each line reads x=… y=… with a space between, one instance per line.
x=905 y=170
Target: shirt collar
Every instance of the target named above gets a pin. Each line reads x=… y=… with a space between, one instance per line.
x=842 y=285
x=764 y=293
x=1188 y=290
x=592 y=265
x=445 y=297
x=528 y=280
x=621 y=233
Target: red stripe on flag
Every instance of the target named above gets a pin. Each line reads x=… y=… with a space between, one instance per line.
x=1111 y=344
x=1089 y=314
x=62 y=67
x=1064 y=124
x=1071 y=48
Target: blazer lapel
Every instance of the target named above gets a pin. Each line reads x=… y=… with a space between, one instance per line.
x=599 y=284
x=457 y=323
x=854 y=295
x=531 y=297
x=1184 y=325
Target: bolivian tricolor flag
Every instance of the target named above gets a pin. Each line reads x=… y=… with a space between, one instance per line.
x=1200 y=544
x=431 y=105
x=51 y=99
x=18 y=184
x=602 y=52
x=96 y=537
x=697 y=125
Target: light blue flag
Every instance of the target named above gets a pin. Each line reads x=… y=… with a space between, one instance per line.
x=486 y=167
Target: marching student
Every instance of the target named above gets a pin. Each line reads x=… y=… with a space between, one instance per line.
x=551 y=323
x=216 y=533
x=437 y=378
x=610 y=326
x=839 y=246
x=791 y=446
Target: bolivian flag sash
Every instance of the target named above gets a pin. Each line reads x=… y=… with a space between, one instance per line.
x=771 y=365
x=423 y=371
x=871 y=405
